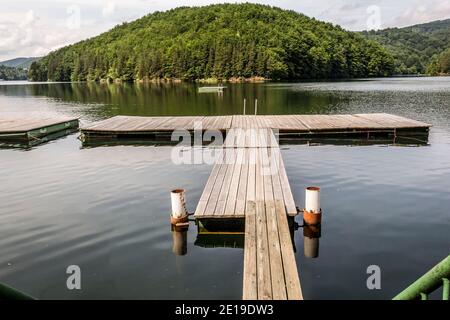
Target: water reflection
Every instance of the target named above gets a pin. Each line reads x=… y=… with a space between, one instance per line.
x=28 y=144
x=179 y=236
x=100 y=101
x=220 y=240
x=311 y=236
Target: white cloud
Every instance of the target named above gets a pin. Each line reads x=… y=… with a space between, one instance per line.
x=421 y=12
x=108 y=9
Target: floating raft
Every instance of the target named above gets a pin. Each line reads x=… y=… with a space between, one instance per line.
x=289 y=126
x=210 y=89
x=32 y=131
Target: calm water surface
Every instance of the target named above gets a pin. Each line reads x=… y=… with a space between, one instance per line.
x=106 y=209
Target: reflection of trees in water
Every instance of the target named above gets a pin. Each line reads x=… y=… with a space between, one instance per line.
x=150 y=99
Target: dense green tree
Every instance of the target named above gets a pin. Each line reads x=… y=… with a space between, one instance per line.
x=413 y=48
x=218 y=41
x=440 y=64
x=11 y=73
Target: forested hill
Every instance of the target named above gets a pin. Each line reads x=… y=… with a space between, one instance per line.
x=218 y=41
x=23 y=63
x=415 y=47
x=10 y=73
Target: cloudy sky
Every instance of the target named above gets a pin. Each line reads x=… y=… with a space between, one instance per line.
x=33 y=28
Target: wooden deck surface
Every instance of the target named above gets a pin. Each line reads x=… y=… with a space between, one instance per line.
x=270 y=269
x=249 y=181
x=248 y=168
x=24 y=124
x=298 y=123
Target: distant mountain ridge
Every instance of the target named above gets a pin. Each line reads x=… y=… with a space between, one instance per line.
x=21 y=62
x=415 y=47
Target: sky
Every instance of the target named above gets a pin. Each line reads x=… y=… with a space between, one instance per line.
x=34 y=28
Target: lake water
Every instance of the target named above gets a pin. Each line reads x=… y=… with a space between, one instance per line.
x=106 y=209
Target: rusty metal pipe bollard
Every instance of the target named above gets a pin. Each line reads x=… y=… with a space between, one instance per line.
x=312 y=219
x=179 y=213
x=312 y=214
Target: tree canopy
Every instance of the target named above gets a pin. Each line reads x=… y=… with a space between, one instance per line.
x=440 y=64
x=413 y=48
x=10 y=73
x=221 y=42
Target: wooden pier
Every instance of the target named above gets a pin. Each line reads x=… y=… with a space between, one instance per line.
x=359 y=128
x=249 y=182
x=122 y=125
x=32 y=131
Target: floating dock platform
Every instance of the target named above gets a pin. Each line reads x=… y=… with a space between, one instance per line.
x=249 y=185
x=291 y=128
x=28 y=132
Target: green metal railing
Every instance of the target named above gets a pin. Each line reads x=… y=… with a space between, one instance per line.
x=438 y=276
x=8 y=293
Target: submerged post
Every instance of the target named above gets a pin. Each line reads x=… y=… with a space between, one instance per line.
x=256 y=107
x=312 y=214
x=179 y=212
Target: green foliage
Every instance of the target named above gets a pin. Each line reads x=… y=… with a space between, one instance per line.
x=413 y=48
x=218 y=41
x=440 y=64
x=11 y=73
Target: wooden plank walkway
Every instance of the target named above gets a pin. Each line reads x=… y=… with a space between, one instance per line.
x=296 y=123
x=270 y=269
x=249 y=181
x=248 y=168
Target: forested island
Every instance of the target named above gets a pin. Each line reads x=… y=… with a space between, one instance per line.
x=218 y=42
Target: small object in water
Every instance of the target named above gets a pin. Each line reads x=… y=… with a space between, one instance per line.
x=211 y=89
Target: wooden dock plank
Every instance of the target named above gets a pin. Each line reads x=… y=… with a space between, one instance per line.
x=215 y=191
x=224 y=191
x=251 y=181
x=392 y=121
x=279 y=291
x=234 y=184
x=242 y=187
x=294 y=291
x=250 y=282
x=201 y=206
x=285 y=187
x=262 y=254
